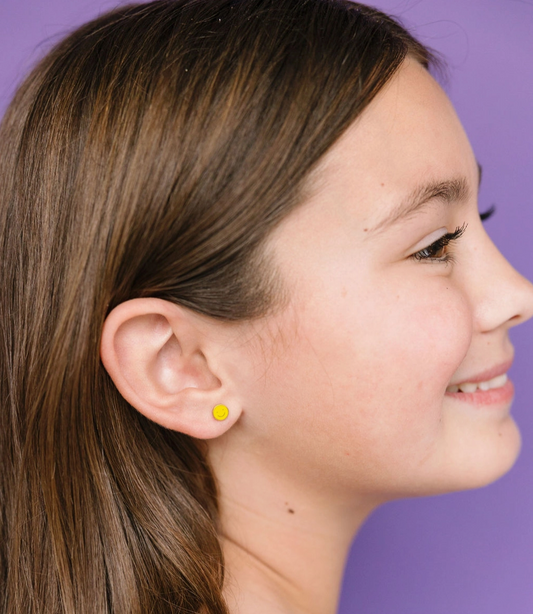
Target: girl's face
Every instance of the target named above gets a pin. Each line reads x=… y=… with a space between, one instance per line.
x=349 y=386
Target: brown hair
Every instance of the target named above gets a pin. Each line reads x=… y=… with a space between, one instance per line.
x=149 y=154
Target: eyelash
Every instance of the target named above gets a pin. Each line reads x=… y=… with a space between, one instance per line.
x=488 y=213
x=427 y=254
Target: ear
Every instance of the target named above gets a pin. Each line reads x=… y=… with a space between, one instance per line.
x=158 y=355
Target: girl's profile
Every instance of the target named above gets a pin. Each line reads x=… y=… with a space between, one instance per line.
x=248 y=298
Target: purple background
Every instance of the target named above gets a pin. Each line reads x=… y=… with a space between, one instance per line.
x=465 y=553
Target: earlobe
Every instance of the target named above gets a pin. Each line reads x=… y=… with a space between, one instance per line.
x=156 y=353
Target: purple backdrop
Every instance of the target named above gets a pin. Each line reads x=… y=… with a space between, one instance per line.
x=466 y=553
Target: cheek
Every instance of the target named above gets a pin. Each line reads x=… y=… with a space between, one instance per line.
x=394 y=343
x=429 y=335
x=360 y=383
x=406 y=351
x=390 y=377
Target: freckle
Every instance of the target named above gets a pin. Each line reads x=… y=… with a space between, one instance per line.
x=290 y=511
x=365 y=229
x=382 y=185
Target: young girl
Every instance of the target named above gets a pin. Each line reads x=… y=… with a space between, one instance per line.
x=247 y=298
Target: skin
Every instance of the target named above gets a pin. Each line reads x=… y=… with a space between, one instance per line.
x=337 y=402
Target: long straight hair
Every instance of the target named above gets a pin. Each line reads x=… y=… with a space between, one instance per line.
x=150 y=153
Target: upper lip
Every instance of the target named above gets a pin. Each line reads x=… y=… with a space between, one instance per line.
x=488 y=374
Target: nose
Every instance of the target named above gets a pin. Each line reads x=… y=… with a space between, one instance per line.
x=501 y=295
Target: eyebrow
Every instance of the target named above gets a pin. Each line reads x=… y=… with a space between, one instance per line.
x=448 y=191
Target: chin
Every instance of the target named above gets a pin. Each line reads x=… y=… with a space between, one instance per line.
x=471 y=462
x=486 y=458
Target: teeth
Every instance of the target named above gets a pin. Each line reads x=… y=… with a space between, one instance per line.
x=495 y=382
x=467 y=387
x=498 y=382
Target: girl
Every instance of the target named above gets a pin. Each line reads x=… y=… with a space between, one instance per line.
x=248 y=298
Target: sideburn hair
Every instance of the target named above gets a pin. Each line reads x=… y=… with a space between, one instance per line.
x=149 y=154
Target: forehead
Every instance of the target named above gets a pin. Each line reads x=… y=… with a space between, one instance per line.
x=409 y=133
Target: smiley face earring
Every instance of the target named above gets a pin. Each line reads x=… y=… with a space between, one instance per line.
x=220 y=412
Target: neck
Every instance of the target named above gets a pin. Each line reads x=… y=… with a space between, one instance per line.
x=285 y=547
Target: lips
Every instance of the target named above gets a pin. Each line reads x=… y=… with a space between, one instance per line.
x=487 y=387
x=487 y=375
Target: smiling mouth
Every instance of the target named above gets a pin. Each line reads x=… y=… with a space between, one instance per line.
x=496 y=382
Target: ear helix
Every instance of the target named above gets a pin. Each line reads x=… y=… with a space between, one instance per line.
x=220 y=412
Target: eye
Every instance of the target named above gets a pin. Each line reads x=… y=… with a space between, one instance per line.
x=439 y=251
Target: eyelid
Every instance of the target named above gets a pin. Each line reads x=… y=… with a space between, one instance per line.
x=428 y=240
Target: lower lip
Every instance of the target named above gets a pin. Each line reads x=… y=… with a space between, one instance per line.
x=496 y=396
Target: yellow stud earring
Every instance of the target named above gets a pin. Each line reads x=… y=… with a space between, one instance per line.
x=220 y=412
